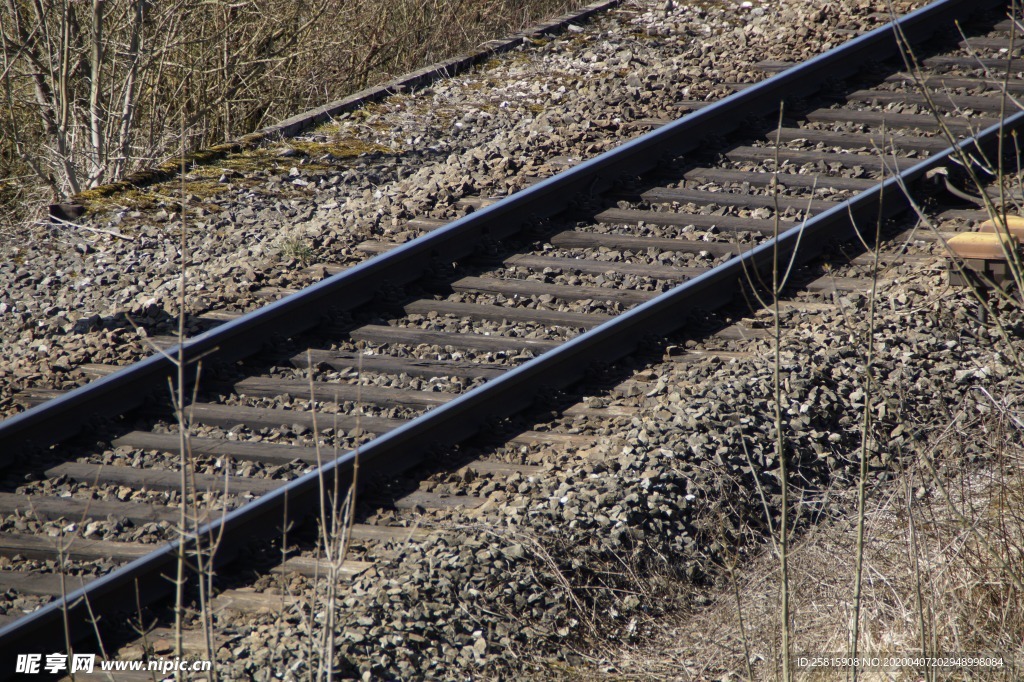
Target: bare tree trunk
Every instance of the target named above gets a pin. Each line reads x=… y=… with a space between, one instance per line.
x=52 y=110
x=96 y=114
x=126 y=129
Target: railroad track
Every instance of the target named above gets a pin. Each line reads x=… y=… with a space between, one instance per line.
x=435 y=340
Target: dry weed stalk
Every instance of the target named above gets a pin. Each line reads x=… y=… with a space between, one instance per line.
x=771 y=301
x=336 y=516
x=866 y=436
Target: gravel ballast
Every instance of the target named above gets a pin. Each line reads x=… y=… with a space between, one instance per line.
x=257 y=219
x=554 y=566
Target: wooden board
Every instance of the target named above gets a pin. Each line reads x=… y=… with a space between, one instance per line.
x=767 y=154
x=388 y=364
x=161 y=479
x=271 y=453
x=859 y=140
x=774 y=65
x=31 y=397
x=589 y=240
x=600 y=267
x=689 y=356
x=495 y=468
x=564 y=292
x=339 y=392
x=426 y=500
x=426 y=224
x=993 y=64
x=42 y=584
x=162 y=341
x=228 y=416
x=374 y=246
x=895 y=121
x=312 y=567
x=475 y=203
x=71 y=509
x=943 y=100
x=161 y=641
x=95 y=370
x=724 y=223
x=81 y=549
x=275 y=293
x=248 y=600
x=785 y=180
x=601 y=412
x=738 y=199
x=80 y=511
x=740 y=332
x=828 y=283
x=555 y=439
x=937 y=83
x=382 y=334
x=365 y=531
x=500 y=313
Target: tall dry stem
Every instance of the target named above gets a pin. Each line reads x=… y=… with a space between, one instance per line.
x=778 y=283
x=865 y=434
x=779 y=278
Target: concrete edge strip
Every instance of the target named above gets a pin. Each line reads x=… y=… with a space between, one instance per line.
x=295 y=125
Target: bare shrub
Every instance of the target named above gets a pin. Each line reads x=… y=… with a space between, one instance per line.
x=92 y=91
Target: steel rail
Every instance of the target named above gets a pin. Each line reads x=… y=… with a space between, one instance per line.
x=505 y=395
x=49 y=422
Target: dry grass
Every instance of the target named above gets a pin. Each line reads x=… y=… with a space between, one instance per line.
x=940 y=576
